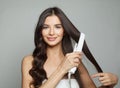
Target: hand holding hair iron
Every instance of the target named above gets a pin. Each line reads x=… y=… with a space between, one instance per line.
x=78 y=47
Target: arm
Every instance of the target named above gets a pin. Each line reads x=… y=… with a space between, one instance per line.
x=71 y=60
x=53 y=79
x=67 y=63
x=107 y=79
x=85 y=78
x=27 y=79
x=26 y=66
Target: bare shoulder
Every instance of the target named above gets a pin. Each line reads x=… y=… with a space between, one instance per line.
x=27 y=62
x=26 y=66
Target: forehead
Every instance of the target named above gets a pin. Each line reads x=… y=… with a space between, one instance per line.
x=52 y=20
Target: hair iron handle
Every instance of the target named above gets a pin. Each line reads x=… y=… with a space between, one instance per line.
x=78 y=47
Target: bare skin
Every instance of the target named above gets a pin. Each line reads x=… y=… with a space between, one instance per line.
x=26 y=78
x=52 y=34
x=26 y=66
x=56 y=75
x=106 y=79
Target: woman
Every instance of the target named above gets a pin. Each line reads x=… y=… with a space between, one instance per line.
x=53 y=56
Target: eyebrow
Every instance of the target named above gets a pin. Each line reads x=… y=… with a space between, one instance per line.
x=59 y=24
x=55 y=24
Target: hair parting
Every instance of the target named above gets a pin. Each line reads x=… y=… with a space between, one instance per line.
x=37 y=71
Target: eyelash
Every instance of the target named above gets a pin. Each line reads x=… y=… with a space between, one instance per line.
x=45 y=27
x=58 y=26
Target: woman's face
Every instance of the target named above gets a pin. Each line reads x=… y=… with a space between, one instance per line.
x=52 y=31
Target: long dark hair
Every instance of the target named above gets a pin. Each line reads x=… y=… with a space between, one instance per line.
x=39 y=54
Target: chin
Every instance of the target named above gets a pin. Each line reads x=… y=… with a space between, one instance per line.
x=52 y=45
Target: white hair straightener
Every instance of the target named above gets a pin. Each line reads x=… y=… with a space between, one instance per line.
x=78 y=47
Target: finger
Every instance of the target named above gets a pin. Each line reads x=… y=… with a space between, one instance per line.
x=97 y=75
x=78 y=52
x=105 y=82
x=76 y=64
x=75 y=52
x=74 y=56
x=76 y=60
x=102 y=78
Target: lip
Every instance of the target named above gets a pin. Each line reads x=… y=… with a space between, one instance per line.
x=51 y=38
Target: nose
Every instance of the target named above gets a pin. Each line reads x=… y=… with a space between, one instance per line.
x=51 y=31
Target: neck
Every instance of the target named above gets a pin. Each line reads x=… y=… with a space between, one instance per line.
x=55 y=52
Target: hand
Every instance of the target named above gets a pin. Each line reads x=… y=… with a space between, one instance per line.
x=106 y=79
x=70 y=60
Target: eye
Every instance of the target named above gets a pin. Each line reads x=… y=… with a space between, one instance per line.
x=58 y=26
x=45 y=26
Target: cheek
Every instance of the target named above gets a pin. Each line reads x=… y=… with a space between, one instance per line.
x=44 y=33
x=60 y=32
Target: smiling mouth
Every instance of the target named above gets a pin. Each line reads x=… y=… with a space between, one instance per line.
x=51 y=38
